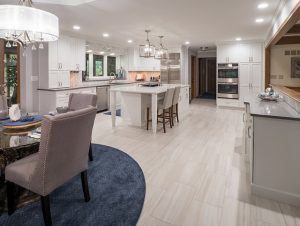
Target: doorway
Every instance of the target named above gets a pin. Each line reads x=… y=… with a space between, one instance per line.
x=193 y=73
x=207 y=77
x=10 y=71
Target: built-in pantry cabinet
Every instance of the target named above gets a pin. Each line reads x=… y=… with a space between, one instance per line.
x=249 y=57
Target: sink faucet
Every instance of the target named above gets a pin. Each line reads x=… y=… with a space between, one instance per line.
x=113 y=74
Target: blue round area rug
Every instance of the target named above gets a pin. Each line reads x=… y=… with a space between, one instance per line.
x=117 y=189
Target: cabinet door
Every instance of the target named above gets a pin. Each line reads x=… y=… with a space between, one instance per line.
x=256 y=75
x=244 y=91
x=244 y=74
x=64 y=77
x=233 y=53
x=53 y=80
x=80 y=54
x=223 y=52
x=64 y=49
x=53 y=55
x=245 y=52
x=256 y=52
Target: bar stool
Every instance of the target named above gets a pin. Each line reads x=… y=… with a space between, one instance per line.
x=166 y=106
x=175 y=105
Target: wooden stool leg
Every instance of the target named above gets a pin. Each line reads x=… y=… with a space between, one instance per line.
x=91 y=158
x=147 y=118
x=164 y=120
x=177 y=113
x=85 y=186
x=170 y=117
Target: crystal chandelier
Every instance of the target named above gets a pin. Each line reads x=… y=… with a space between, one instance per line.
x=161 y=52
x=22 y=24
x=147 y=50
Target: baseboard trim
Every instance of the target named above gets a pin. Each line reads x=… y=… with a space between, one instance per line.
x=280 y=196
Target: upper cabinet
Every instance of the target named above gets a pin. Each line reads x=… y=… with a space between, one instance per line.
x=137 y=63
x=239 y=53
x=67 y=54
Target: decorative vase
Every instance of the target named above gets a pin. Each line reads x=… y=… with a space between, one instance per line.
x=14 y=112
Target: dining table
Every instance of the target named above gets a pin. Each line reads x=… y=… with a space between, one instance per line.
x=16 y=144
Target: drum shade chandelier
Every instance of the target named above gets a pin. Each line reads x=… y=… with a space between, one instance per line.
x=26 y=25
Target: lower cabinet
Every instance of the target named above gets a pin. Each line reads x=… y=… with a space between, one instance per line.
x=248 y=137
x=59 y=79
x=184 y=100
x=50 y=100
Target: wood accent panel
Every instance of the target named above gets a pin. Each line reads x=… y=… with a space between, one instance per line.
x=286 y=40
x=193 y=75
x=295 y=29
x=267 y=66
x=292 y=19
x=292 y=92
x=211 y=75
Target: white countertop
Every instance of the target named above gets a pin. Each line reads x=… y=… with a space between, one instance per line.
x=279 y=109
x=146 y=90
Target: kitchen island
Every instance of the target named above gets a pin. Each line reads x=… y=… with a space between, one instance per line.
x=272 y=145
x=135 y=99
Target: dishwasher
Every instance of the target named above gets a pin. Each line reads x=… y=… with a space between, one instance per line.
x=102 y=97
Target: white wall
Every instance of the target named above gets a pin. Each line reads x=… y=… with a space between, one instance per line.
x=281 y=65
x=207 y=54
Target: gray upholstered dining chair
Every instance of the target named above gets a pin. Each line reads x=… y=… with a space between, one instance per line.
x=81 y=100
x=63 y=154
x=164 y=105
x=3 y=107
x=175 y=101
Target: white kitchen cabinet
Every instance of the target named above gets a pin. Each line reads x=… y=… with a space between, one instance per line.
x=67 y=54
x=184 y=101
x=137 y=63
x=237 y=53
x=248 y=137
x=58 y=79
x=250 y=80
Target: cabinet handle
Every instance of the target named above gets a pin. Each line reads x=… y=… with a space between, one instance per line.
x=244 y=117
x=249 y=132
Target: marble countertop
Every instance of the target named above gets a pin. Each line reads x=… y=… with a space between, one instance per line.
x=279 y=109
x=146 y=90
x=89 y=85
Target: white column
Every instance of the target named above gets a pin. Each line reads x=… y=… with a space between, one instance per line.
x=154 y=113
x=113 y=107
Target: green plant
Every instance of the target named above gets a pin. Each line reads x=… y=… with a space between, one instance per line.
x=11 y=77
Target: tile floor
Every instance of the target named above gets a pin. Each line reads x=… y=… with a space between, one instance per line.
x=196 y=173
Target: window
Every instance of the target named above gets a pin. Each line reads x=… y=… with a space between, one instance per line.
x=98 y=65
x=111 y=65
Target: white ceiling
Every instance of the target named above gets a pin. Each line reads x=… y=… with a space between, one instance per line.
x=202 y=22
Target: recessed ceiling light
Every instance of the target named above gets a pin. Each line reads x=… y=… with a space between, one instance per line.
x=76 y=27
x=187 y=43
x=89 y=51
x=263 y=5
x=238 y=39
x=101 y=52
x=130 y=41
x=105 y=35
x=259 y=20
x=112 y=54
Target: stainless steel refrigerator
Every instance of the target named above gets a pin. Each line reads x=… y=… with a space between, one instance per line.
x=170 y=69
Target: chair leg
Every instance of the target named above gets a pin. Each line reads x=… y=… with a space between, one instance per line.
x=45 y=200
x=85 y=186
x=91 y=158
x=164 y=120
x=177 y=113
x=147 y=118
x=10 y=189
x=170 y=117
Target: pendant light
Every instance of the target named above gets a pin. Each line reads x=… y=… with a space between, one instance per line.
x=161 y=52
x=26 y=25
x=147 y=50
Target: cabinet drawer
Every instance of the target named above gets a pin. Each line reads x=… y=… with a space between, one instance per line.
x=227 y=102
